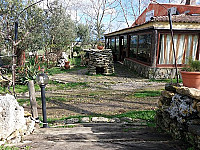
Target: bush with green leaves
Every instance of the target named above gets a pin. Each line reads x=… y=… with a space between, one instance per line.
x=29 y=70
x=192 y=66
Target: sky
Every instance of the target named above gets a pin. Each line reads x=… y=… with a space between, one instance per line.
x=79 y=10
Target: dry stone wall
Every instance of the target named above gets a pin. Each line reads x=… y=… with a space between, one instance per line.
x=179 y=113
x=148 y=71
x=100 y=61
x=14 y=124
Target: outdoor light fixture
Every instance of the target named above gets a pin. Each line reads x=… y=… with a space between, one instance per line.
x=42 y=79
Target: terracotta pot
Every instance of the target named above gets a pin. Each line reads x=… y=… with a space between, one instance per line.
x=100 y=47
x=191 y=79
x=67 y=66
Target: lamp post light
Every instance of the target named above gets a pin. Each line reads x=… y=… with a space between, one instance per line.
x=42 y=79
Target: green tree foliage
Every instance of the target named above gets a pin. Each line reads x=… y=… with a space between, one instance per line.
x=37 y=28
x=83 y=33
x=61 y=29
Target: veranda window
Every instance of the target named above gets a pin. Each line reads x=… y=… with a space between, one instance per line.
x=112 y=45
x=117 y=45
x=144 y=47
x=133 y=46
x=185 y=48
x=107 y=43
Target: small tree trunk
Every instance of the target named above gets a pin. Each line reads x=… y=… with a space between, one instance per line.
x=33 y=99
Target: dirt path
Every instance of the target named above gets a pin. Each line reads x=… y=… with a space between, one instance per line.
x=101 y=137
x=107 y=95
x=99 y=95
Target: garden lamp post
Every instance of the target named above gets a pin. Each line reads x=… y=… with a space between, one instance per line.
x=42 y=79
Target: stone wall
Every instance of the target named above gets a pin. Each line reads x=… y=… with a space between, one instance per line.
x=179 y=113
x=100 y=62
x=148 y=71
x=14 y=123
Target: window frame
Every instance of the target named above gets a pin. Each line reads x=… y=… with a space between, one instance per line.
x=151 y=48
x=175 y=33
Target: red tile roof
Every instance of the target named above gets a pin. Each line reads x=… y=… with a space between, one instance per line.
x=178 y=18
x=159 y=10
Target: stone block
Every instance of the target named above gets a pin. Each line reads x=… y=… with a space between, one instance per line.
x=114 y=120
x=192 y=92
x=194 y=122
x=72 y=120
x=167 y=94
x=159 y=103
x=85 y=119
x=100 y=119
x=198 y=106
x=127 y=119
x=170 y=87
x=194 y=129
x=11 y=116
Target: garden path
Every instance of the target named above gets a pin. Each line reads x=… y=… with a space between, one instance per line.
x=106 y=95
x=101 y=136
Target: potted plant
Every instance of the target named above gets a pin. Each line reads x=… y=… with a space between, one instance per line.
x=191 y=74
x=100 y=45
x=67 y=66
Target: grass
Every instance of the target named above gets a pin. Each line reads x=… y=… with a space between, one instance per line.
x=39 y=101
x=147 y=115
x=19 y=89
x=57 y=70
x=23 y=101
x=76 y=62
x=165 y=80
x=14 y=148
x=70 y=85
x=66 y=126
x=147 y=94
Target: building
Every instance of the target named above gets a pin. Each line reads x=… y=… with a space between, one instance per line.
x=146 y=47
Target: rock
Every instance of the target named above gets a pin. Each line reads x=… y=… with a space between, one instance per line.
x=170 y=87
x=27 y=114
x=100 y=62
x=165 y=101
x=72 y=120
x=167 y=94
x=114 y=120
x=99 y=119
x=30 y=126
x=198 y=106
x=11 y=116
x=194 y=122
x=85 y=119
x=127 y=119
x=159 y=103
x=192 y=92
x=195 y=129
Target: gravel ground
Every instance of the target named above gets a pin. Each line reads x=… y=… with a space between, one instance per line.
x=103 y=94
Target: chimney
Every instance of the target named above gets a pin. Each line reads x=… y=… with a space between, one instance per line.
x=152 y=1
x=190 y=2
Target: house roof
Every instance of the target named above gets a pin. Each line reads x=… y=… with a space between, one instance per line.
x=161 y=10
x=161 y=20
x=178 y=18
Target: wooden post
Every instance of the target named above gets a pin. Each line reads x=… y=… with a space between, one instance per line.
x=32 y=99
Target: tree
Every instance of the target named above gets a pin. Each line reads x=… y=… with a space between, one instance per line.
x=61 y=30
x=83 y=33
x=96 y=13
